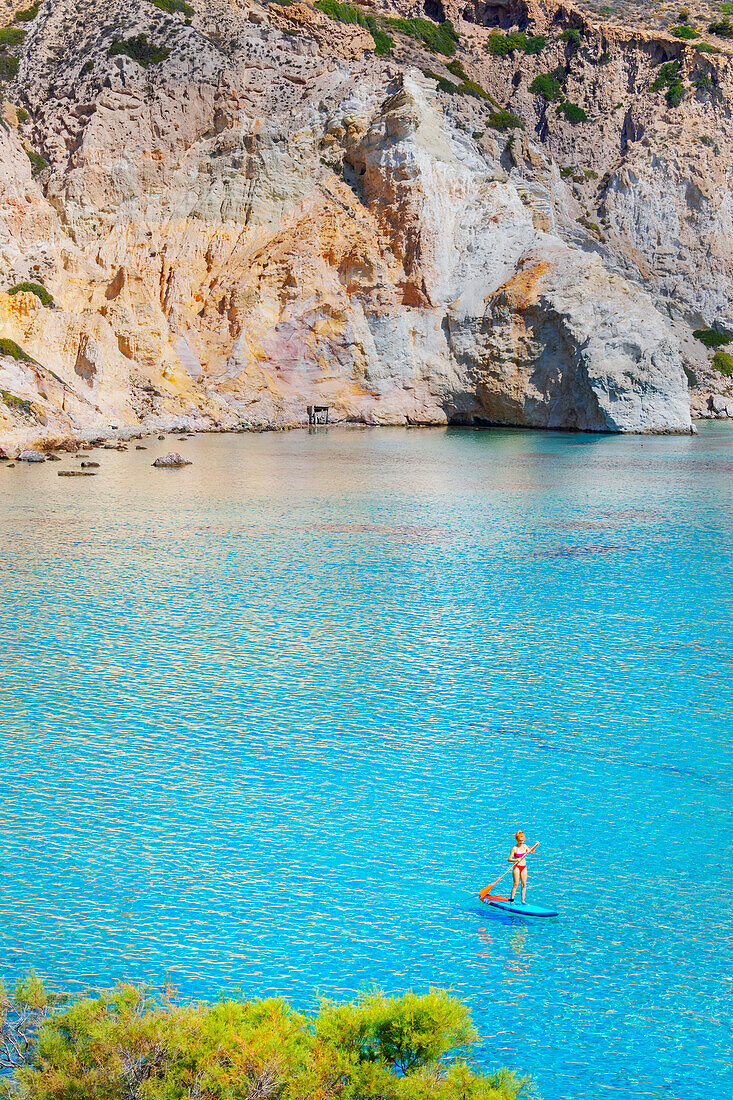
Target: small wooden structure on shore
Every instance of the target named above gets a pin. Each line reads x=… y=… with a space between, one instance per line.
x=318 y=414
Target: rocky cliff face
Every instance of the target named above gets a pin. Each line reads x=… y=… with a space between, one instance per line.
x=239 y=210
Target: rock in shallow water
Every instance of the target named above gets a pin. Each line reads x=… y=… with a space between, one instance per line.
x=172 y=460
x=31 y=456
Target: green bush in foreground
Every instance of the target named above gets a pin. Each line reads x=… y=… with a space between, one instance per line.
x=129 y=1044
x=33 y=288
x=712 y=337
x=723 y=362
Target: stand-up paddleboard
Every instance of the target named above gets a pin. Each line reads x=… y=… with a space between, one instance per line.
x=516 y=909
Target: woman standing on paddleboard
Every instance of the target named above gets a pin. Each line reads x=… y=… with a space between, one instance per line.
x=519 y=871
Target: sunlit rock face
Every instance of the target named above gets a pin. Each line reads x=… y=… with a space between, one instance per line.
x=271 y=216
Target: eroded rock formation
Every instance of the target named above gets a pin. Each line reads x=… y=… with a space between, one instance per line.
x=267 y=214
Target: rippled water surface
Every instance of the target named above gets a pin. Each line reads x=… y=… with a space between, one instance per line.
x=272 y=720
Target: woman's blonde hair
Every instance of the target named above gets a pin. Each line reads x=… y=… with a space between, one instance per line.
x=519 y=836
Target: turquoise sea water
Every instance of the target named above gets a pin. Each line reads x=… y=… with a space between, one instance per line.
x=271 y=721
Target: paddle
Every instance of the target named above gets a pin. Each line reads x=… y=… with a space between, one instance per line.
x=488 y=889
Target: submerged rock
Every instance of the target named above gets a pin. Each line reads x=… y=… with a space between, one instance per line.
x=76 y=473
x=172 y=459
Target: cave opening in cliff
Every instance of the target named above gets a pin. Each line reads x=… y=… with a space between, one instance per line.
x=504 y=14
x=434 y=10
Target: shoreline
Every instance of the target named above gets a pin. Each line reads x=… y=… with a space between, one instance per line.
x=49 y=444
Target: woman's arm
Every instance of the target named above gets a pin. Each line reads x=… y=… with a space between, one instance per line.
x=512 y=857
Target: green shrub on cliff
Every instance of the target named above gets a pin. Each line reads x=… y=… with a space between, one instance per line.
x=722 y=27
x=669 y=79
x=572 y=37
x=505 y=120
x=723 y=362
x=8 y=67
x=27 y=14
x=470 y=87
x=33 y=288
x=502 y=45
x=712 y=337
x=15 y=351
x=444 y=84
x=173 y=7
x=139 y=49
x=11 y=36
x=573 y=113
x=467 y=86
x=546 y=85
x=127 y=1042
x=686 y=32
x=437 y=37
x=383 y=42
x=343 y=13
x=38 y=162
x=349 y=13
x=535 y=43
x=21 y=404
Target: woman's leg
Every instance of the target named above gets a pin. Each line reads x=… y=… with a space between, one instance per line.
x=515 y=883
x=524 y=882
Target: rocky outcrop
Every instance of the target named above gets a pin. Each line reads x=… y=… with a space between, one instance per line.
x=268 y=215
x=172 y=460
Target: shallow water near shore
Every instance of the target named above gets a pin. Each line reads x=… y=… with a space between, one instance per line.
x=271 y=721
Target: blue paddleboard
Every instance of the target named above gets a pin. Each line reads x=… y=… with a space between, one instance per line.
x=522 y=910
